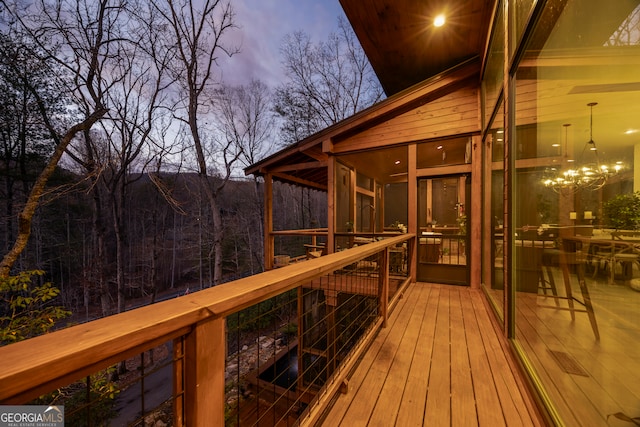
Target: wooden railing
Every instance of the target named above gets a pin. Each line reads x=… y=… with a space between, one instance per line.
x=308 y=236
x=196 y=324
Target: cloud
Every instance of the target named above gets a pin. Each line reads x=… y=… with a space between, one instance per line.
x=262 y=26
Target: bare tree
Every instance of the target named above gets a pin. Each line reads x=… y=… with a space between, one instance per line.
x=199 y=30
x=137 y=99
x=244 y=116
x=246 y=120
x=80 y=38
x=326 y=83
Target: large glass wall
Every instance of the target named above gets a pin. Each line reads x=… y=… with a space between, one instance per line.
x=493 y=253
x=493 y=178
x=576 y=218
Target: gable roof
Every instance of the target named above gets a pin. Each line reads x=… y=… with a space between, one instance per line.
x=305 y=163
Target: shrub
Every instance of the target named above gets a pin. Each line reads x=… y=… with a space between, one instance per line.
x=26 y=308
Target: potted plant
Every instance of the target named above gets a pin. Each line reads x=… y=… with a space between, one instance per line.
x=462 y=224
x=462 y=231
x=622 y=212
x=399 y=226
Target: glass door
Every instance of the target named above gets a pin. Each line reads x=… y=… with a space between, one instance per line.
x=443 y=224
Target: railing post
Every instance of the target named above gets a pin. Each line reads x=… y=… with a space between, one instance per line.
x=269 y=247
x=383 y=286
x=412 y=262
x=205 y=352
x=178 y=382
x=331 y=301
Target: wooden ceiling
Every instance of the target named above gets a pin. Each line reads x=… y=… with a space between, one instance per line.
x=403 y=45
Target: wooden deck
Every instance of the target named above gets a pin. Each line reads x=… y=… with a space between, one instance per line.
x=439 y=362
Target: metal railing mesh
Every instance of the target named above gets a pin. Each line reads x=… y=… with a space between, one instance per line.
x=283 y=351
x=281 y=354
x=134 y=392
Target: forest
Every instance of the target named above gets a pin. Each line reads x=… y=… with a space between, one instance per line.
x=122 y=150
x=168 y=245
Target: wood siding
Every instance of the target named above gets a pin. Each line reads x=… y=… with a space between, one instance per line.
x=453 y=114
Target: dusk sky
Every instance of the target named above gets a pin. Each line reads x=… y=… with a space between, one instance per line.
x=262 y=27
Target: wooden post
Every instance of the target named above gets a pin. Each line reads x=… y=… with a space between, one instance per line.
x=488 y=225
x=205 y=350
x=331 y=204
x=412 y=251
x=269 y=251
x=412 y=207
x=383 y=286
x=353 y=199
x=474 y=222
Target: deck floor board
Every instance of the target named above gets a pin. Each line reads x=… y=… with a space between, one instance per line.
x=384 y=414
x=439 y=362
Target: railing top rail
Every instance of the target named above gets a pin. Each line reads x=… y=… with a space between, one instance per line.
x=302 y=231
x=82 y=349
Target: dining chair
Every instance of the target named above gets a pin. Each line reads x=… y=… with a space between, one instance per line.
x=607 y=257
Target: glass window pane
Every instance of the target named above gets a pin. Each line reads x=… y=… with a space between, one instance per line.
x=521 y=10
x=494 y=73
x=576 y=258
x=493 y=231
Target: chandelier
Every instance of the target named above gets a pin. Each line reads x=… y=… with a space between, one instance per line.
x=590 y=173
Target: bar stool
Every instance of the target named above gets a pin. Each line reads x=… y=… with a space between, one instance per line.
x=570 y=257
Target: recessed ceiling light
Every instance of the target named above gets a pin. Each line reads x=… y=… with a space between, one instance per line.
x=397 y=162
x=630 y=131
x=439 y=21
x=439 y=147
x=555 y=145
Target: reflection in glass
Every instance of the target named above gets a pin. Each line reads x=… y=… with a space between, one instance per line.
x=575 y=272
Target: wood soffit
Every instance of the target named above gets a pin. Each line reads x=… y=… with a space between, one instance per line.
x=403 y=45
